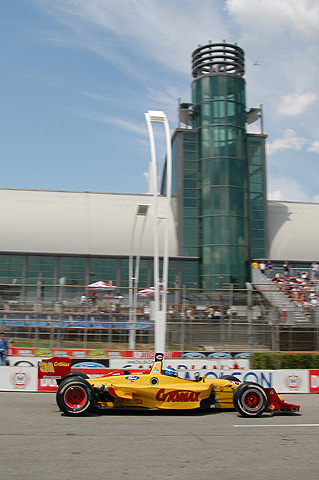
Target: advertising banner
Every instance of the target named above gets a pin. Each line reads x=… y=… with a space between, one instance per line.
x=314 y=381
x=18 y=379
x=90 y=353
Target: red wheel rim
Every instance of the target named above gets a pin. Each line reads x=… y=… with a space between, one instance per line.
x=75 y=397
x=252 y=400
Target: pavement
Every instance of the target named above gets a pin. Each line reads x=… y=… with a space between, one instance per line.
x=38 y=442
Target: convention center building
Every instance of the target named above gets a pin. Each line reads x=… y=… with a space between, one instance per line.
x=220 y=216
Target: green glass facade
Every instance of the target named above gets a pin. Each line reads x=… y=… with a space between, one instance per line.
x=21 y=274
x=257 y=195
x=219 y=117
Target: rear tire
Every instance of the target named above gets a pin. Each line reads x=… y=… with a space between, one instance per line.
x=75 y=396
x=250 y=400
x=75 y=373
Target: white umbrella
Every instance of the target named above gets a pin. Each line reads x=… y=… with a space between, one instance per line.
x=101 y=286
x=149 y=292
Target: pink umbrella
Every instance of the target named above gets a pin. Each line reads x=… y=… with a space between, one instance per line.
x=101 y=286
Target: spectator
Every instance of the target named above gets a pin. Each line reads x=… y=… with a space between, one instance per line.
x=209 y=311
x=315 y=270
x=117 y=300
x=93 y=299
x=190 y=314
x=255 y=264
x=286 y=267
x=4 y=346
x=107 y=302
x=269 y=269
x=83 y=299
x=262 y=266
x=217 y=314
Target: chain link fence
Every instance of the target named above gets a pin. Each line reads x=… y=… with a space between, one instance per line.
x=230 y=319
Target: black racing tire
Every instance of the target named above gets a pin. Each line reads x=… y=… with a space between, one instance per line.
x=250 y=399
x=74 y=396
x=231 y=378
x=76 y=373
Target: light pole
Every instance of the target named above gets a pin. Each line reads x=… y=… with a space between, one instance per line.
x=159 y=308
x=141 y=212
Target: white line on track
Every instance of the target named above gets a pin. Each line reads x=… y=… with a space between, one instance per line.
x=280 y=425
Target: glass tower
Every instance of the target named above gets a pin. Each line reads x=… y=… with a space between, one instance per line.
x=219 y=171
x=219 y=116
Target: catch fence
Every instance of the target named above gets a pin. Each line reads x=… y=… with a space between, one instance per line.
x=230 y=320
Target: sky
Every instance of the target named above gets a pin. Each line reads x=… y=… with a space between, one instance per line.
x=77 y=77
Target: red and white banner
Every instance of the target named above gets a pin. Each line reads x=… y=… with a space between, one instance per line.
x=25 y=378
x=90 y=353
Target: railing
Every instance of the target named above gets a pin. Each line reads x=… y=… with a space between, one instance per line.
x=228 y=319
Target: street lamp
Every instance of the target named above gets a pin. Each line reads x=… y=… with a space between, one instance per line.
x=159 y=308
x=141 y=212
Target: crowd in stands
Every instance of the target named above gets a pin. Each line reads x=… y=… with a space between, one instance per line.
x=301 y=287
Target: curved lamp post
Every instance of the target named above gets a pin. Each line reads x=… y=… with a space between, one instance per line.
x=141 y=212
x=159 y=306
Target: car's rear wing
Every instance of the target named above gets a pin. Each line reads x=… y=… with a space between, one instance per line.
x=55 y=367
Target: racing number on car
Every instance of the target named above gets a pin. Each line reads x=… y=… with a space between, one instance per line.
x=46 y=367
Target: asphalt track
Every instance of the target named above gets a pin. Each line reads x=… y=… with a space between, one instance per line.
x=40 y=443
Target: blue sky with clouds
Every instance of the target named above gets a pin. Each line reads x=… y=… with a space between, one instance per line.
x=78 y=75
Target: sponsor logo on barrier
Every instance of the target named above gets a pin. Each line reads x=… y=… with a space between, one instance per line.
x=78 y=353
x=97 y=353
x=314 y=381
x=42 y=352
x=177 y=396
x=88 y=365
x=25 y=353
x=20 y=380
x=115 y=354
x=60 y=353
x=293 y=382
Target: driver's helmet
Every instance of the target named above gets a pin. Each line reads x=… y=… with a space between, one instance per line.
x=170 y=371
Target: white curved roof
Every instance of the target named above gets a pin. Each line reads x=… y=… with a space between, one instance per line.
x=86 y=223
x=293 y=231
x=81 y=223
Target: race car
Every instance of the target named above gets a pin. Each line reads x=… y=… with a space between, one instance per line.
x=160 y=388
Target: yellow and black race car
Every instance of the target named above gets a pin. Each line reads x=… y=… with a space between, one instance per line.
x=159 y=388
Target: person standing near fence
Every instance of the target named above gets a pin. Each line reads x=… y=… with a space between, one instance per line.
x=4 y=346
x=315 y=270
x=269 y=269
x=286 y=267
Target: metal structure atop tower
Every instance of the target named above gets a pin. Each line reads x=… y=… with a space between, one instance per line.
x=218 y=58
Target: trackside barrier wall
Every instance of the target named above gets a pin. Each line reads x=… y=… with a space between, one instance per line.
x=25 y=378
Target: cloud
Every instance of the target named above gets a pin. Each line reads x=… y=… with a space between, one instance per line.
x=290 y=141
x=275 y=195
x=314 y=147
x=284 y=188
x=281 y=17
x=109 y=119
x=157 y=29
x=294 y=104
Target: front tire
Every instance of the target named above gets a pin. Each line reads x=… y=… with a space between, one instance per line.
x=75 y=396
x=250 y=400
